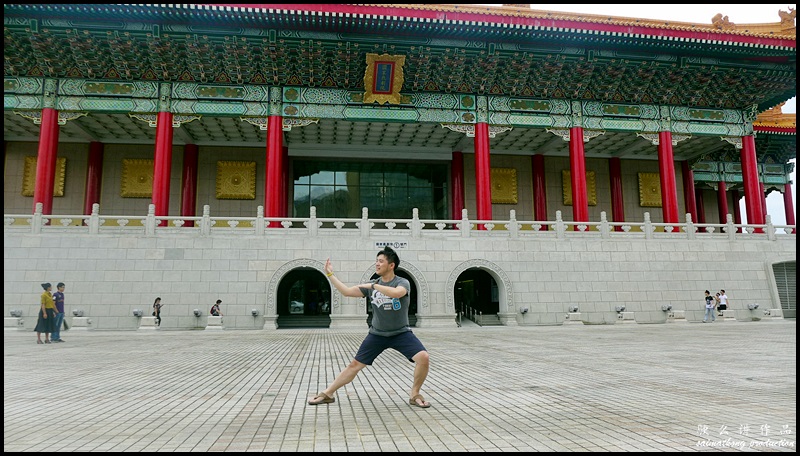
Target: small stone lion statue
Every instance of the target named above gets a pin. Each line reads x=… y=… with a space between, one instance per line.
x=721 y=22
x=787 y=19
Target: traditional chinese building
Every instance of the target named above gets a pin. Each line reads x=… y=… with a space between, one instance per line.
x=529 y=165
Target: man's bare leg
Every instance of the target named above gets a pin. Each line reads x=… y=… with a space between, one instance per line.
x=422 y=365
x=345 y=376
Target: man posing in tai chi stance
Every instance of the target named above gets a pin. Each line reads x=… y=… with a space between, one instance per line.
x=389 y=299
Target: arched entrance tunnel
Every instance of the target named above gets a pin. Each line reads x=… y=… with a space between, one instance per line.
x=477 y=297
x=304 y=300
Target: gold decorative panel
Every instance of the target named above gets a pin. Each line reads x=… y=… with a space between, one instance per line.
x=236 y=180
x=504 y=186
x=649 y=190
x=29 y=176
x=137 y=178
x=383 y=78
x=591 y=187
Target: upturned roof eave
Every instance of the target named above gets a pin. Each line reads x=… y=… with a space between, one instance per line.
x=499 y=20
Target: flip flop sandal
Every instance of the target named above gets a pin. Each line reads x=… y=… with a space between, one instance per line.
x=321 y=398
x=418 y=397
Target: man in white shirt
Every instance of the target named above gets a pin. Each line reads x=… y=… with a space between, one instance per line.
x=723 y=301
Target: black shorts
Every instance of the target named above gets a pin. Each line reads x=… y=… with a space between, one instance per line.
x=406 y=343
x=723 y=307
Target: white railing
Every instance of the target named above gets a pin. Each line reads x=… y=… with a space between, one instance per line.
x=205 y=225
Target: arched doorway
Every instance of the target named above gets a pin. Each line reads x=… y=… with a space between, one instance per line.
x=477 y=297
x=412 y=309
x=304 y=300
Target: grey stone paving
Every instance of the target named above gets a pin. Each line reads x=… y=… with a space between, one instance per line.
x=664 y=387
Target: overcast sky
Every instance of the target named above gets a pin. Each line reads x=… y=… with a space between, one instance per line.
x=738 y=14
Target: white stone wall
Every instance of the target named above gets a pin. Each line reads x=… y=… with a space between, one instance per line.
x=111 y=273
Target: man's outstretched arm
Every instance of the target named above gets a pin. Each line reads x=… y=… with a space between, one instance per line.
x=353 y=292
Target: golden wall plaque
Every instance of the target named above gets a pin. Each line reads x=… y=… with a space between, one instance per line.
x=236 y=180
x=137 y=178
x=504 y=185
x=591 y=187
x=383 y=78
x=649 y=190
x=29 y=176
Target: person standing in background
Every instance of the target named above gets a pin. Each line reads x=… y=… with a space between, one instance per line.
x=47 y=315
x=58 y=296
x=157 y=311
x=723 y=301
x=711 y=303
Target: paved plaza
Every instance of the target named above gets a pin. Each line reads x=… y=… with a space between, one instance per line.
x=625 y=387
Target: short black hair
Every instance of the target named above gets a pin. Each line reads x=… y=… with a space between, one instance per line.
x=391 y=256
x=60 y=284
x=219 y=301
x=46 y=285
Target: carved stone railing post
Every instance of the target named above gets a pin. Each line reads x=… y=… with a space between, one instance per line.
x=313 y=225
x=605 y=230
x=770 y=229
x=94 y=219
x=260 y=221
x=730 y=228
x=205 y=222
x=150 y=221
x=690 y=228
x=36 y=221
x=465 y=225
x=364 y=225
x=561 y=228
x=416 y=227
x=648 y=226
x=513 y=226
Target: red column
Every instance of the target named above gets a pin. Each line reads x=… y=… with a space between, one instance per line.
x=94 y=177
x=163 y=164
x=483 y=175
x=286 y=181
x=457 y=186
x=689 y=200
x=752 y=188
x=46 y=161
x=273 y=182
x=737 y=212
x=617 y=206
x=577 y=166
x=191 y=154
x=722 y=202
x=539 y=190
x=666 y=168
x=788 y=206
x=701 y=208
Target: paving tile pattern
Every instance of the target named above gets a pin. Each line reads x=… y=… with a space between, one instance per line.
x=668 y=387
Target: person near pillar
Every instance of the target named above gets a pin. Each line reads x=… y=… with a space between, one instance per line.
x=47 y=315
x=390 y=301
x=711 y=303
x=58 y=296
x=215 y=309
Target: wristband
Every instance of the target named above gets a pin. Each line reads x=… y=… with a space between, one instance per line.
x=329 y=274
